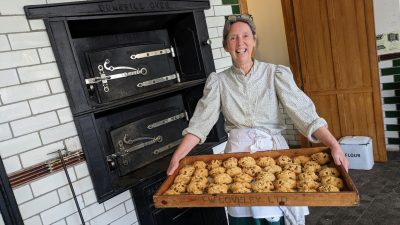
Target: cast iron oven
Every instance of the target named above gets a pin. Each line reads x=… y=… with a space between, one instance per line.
x=133 y=72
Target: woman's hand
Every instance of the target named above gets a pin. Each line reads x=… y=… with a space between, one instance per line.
x=173 y=165
x=339 y=157
x=187 y=144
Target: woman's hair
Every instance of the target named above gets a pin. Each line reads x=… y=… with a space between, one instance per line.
x=245 y=18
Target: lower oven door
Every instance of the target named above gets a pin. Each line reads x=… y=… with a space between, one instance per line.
x=143 y=140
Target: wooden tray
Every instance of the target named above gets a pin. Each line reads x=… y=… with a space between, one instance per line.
x=347 y=197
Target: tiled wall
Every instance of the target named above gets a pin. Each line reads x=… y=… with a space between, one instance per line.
x=390 y=85
x=35 y=119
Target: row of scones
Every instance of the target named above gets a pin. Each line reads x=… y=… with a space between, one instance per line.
x=265 y=174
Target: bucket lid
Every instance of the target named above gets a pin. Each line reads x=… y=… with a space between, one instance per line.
x=354 y=140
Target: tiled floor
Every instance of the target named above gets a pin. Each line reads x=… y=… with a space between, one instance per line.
x=379 y=190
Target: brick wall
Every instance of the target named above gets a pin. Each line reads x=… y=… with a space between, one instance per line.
x=35 y=119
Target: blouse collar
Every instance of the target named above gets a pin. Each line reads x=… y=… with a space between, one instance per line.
x=239 y=72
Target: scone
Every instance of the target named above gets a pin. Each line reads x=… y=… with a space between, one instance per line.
x=243 y=177
x=285 y=185
x=230 y=163
x=217 y=171
x=222 y=178
x=171 y=192
x=307 y=184
x=187 y=170
x=181 y=178
x=217 y=188
x=215 y=163
x=241 y=187
x=200 y=165
x=311 y=166
x=301 y=159
x=201 y=172
x=321 y=158
x=178 y=187
x=283 y=160
x=286 y=174
x=328 y=188
x=234 y=171
x=273 y=169
x=265 y=176
x=329 y=171
x=265 y=161
x=296 y=168
x=308 y=175
x=331 y=180
x=247 y=161
x=252 y=170
x=262 y=186
x=196 y=188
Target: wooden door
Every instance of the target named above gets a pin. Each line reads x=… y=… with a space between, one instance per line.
x=333 y=56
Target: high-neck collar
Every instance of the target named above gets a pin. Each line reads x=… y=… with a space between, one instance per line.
x=239 y=71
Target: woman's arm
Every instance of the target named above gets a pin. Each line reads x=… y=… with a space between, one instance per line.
x=187 y=144
x=330 y=141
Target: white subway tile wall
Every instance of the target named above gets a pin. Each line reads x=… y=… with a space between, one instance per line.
x=35 y=119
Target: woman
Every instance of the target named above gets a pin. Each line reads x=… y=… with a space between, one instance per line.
x=249 y=95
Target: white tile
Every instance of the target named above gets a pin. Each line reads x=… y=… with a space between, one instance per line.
x=220 y=30
x=388 y=93
x=12 y=164
x=12 y=7
x=209 y=12
x=18 y=58
x=38 y=72
x=37 y=24
x=89 y=197
x=109 y=216
x=92 y=211
x=386 y=64
x=8 y=78
x=224 y=53
x=19 y=24
x=17 y=145
x=216 y=2
x=390 y=120
x=392 y=147
x=215 y=21
x=223 y=10
x=24 y=92
x=56 y=85
x=14 y=111
x=212 y=32
x=81 y=170
x=129 y=205
x=38 y=205
x=61 y=222
x=216 y=53
x=46 y=55
x=29 y=40
x=391 y=134
x=391 y=107
x=34 y=123
x=51 y=182
x=33 y=221
x=386 y=79
x=58 y=212
x=128 y=219
x=58 y=133
x=65 y=115
x=73 y=144
x=223 y=62
x=48 y=103
x=4 y=45
x=80 y=186
x=23 y=194
x=5 y=132
x=39 y=155
x=111 y=203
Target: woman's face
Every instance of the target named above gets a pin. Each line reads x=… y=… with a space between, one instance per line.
x=240 y=43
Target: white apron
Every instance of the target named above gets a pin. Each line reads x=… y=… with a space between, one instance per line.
x=252 y=140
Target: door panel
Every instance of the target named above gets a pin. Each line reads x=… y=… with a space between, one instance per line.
x=334 y=56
